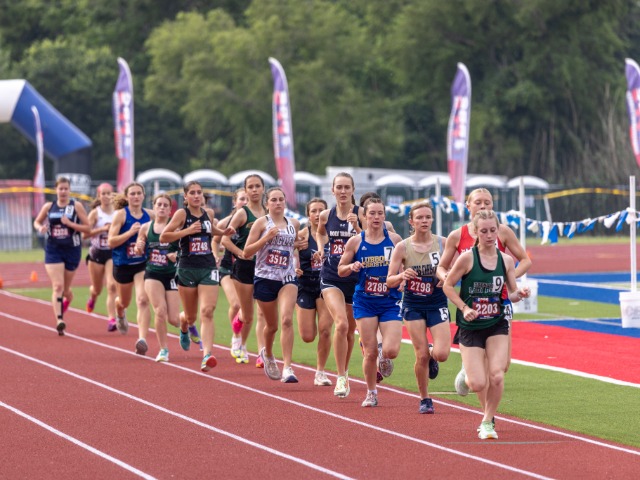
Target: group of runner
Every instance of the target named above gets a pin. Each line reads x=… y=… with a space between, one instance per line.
x=346 y=269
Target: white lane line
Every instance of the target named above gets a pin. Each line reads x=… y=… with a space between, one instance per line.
x=198 y=423
x=266 y=394
x=77 y=442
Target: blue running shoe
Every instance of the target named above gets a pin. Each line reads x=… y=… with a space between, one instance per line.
x=185 y=342
x=426 y=406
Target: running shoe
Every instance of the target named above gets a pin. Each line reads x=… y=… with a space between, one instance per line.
x=379 y=376
x=195 y=336
x=208 y=362
x=60 y=327
x=384 y=364
x=461 y=385
x=65 y=305
x=426 y=406
x=141 y=346
x=236 y=324
x=342 y=387
x=121 y=323
x=91 y=303
x=434 y=367
x=321 y=380
x=288 y=376
x=163 y=355
x=236 y=343
x=487 y=430
x=493 y=422
x=371 y=400
x=259 y=362
x=185 y=341
x=271 y=369
x=243 y=355
x=111 y=326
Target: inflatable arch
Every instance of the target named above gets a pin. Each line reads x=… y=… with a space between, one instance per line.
x=69 y=147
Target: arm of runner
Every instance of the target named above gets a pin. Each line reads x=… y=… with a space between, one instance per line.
x=345 y=267
x=396 y=274
x=463 y=265
x=38 y=223
x=254 y=241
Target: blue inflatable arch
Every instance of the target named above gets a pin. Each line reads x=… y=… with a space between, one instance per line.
x=64 y=143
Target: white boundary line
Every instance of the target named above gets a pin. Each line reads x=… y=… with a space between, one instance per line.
x=77 y=442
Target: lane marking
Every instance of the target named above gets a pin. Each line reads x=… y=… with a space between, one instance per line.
x=77 y=442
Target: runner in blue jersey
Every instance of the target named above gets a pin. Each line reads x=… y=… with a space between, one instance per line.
x=424 y=304
x=129 y=266
x=310 y=303
x=63 y=220
x=198 y=276
x=374 y=304
x=335 y=228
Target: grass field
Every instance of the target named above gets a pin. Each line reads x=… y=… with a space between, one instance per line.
x=588 y=406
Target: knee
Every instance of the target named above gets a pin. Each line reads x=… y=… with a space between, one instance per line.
x=111 y=288
x=57 y=289
x=287 y=322
x=324 y=334
x=307 y=336
x=342 y=329
x=391 y=352
x=161 y=311
x=476 y=384
x=206 y=312
x=422 y=359
x=142 y=301
x=496 y=378
x=440 y=354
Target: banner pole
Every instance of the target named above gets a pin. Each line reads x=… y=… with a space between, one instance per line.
x=438 y=209
x=523 y=223
x=632 y=231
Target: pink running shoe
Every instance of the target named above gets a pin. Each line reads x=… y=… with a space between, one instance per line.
x=65 y=305
x=91 y=303
x=259 y=362
x=236 y=325
x=111 y=326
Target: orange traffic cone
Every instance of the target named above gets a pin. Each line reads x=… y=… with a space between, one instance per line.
x=34 y=276
x=1 y=283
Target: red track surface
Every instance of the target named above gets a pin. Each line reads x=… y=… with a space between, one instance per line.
x=172 y=421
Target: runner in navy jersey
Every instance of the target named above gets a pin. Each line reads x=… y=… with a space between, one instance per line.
x=335 y=227
x=198 y=276
x=129 y=266
x=310 y=303
x=374 y=304
x=63 y=220
x=99 y=259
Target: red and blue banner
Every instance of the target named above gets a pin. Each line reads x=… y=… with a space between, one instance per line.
x=283 y=133
x=38 y=178
x=123 y=125
x=458 y=132
x=632 y=72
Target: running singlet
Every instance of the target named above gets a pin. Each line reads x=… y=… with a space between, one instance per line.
x=227 y=256
x=338 y=231
x=467 y=242
x=310 y=267
x=157 y=251
x=195 y=250
x=481 y=289
x=99 y=242
x=243 y=231
x=372 y=277
x=125 y=254
x=422 y=291
x=274 y=261
x=59 y=234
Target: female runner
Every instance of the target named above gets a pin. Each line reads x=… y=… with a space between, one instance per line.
x=99 y=259
x=374 y=304
x=159 y=276
x=272 y=240
x=424 y=304
x=335 y=227
x=129 y=266
x=65 y=219
x=198 y=276
x=483 y=328
x=244 y=267
x=310 y=303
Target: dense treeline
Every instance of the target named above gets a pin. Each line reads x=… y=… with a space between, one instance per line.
x=369 y=81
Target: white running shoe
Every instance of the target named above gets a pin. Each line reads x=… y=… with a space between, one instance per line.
x=322 y=380
x=243 y=355
x=384 y=364
x=236 y=343
x=163 y=355
x=371 y=400
x=487 y=430
x=342 y=387
x=460 y=383
x=288 y=376
x=271 y=369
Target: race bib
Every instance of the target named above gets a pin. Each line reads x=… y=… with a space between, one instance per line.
x=278 y=258
x=131 y=250
x=59 y=232
x=158 y=258
x=487 y=307
x=316 y=264
x=421 y=286
x=199 y=246
x=336 y=247
x=376 y=286
x=103 y=242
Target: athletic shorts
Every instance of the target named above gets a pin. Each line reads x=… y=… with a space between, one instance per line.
x=70 y=256
x=224 y=272
x=347 y=289
x=478 y=338
x=267 y=290
x=433 y=316
x=124 y=274
x=243 y=271
x=192 y=277
x=385 y=308
x=307 y=296
x=101 y=257
x=168 y=280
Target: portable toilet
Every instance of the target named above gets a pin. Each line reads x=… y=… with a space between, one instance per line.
x=159 y=180
x=215 y=186
x=395 y=190
x=237 y=179
x=427 y=187
x=308 y=186
x=534 y=190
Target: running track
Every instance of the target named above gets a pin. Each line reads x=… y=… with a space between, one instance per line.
x=85 y=406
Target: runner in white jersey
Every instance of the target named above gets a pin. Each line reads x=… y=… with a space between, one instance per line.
x=275 y=285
